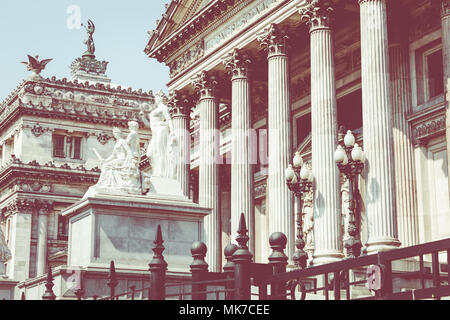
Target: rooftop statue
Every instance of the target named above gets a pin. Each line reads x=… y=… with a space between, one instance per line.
x=36 y=66
x=120 y=173
x=162 y=149
x=90 y=28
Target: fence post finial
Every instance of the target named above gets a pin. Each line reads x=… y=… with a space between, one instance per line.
x=158 y=267
x=199 y=270
x=278 y=260
x=242 y=259
x=112 y=279
x=228 y=269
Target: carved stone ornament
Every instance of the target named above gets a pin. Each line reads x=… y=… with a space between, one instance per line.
x=274 y=40
x=429 y=129
x=36 y=66
x=317 y=14
x=103 y=138
x=237 y=64
x=20 y=205
x=205 y=85
x=186 y=59
x=37 y=130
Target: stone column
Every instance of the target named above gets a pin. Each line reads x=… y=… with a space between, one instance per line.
x=405 y=179
x=280 y=209
x=20 y=239
x=445 y=21
x=327 y=208
x=209 y=190
x=377 y=128
x=180 y=110
x=44 y=208
x=237 y=65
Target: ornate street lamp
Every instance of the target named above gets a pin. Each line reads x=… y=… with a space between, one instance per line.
x=299 y=180
x=350 y=161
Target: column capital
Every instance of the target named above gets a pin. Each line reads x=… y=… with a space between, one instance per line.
x=44 y=206
x=19 y=205
x=317 y=14
x=445 y=8
x=237 y=63
x=205 y=84
x=180 y=104
x=274 y=41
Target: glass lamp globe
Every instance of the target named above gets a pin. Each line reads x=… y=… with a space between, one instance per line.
x=349 y=139
x=289 y=173
x=304 y=173
x=339 y=154
x=297 y=162
x=357 y=153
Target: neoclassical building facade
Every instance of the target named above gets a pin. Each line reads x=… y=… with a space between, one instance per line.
x=253 y=82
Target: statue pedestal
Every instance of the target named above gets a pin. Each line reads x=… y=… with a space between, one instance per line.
x=123 y=228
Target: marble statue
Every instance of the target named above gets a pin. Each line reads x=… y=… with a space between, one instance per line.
x=120 y=172
x=162 y=149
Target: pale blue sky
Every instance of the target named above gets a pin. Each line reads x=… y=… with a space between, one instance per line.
x=41 y=27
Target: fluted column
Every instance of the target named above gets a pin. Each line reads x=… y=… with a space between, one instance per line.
x=445 y=22
x=44 y=208
x=327 y=208
x=209 y=192
x=377 y=128
x=279 y=135
x=405 y=179
x=180 y=110
x=237 y=64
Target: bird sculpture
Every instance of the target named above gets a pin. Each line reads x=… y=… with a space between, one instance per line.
x=36 y=66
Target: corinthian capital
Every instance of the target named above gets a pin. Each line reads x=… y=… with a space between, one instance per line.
x=205 y=85
x=317 y=14
x=44 y=206
x=273 y=40
x=19 y=205
x=445 y=8
x=237 y=64
x=180 y=104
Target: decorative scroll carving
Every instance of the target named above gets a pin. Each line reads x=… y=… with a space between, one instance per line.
x=274 y=40
x=317 y=14
x=237 y=64
x=35 y=186
x=103 y=138
x=205 y=85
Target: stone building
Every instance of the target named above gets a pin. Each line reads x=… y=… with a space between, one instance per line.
x=49 y=130
x=256 y=81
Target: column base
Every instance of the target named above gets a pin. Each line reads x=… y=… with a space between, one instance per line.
x=326 y=256
x=381 y=244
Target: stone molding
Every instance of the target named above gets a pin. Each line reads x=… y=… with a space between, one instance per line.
x=237 y=64
x=317 y=14
x=274 y=41
x=445 y=8
x=186 y=59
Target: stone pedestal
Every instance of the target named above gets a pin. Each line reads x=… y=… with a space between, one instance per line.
x=377 y=128
x=122 y=228
x=7 y=287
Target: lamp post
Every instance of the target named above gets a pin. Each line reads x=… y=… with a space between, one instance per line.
x=299 y=181
x=349 y=158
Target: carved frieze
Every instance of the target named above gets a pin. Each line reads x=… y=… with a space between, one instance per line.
x=37 y=130
x=237 y=22
x=186 y=59
x=428 y=129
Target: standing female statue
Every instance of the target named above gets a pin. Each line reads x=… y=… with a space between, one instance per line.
x=159 y=152
x=90 y=28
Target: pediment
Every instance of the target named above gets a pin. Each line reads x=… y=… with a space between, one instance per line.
x=178 y=15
